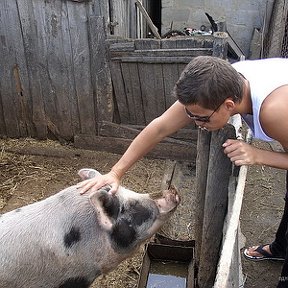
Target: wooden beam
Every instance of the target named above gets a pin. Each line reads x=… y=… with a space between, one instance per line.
x=230 y=241
x=215 y=205
x=159 y=60
x=115 y=145
x=109 y=129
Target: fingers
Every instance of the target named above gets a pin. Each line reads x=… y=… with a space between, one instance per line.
x=239 y=152
x=88 y=184
x=97 y=182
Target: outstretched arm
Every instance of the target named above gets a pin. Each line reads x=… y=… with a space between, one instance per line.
x=168 y=123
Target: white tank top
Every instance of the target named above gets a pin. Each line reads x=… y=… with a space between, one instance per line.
x=264 y=76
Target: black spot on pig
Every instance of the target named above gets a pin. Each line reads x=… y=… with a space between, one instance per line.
x=79 y=282
x=72 y=237
x=123 y=233
x=111 y=205
x=139 y=214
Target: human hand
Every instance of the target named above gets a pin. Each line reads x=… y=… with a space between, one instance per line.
x=99 y=181
x=239 y=152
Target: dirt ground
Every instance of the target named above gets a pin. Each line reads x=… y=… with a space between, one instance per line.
x=30 y=172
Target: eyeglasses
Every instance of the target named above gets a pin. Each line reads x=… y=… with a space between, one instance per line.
x=204 y=119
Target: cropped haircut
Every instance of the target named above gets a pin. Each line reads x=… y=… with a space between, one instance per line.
x=207 y=81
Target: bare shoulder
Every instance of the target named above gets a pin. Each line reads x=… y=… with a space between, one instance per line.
x=274 y=115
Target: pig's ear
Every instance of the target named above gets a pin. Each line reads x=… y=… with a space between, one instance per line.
x=87 y=173
x=102 y=203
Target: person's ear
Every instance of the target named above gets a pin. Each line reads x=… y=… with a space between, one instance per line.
x=229 y=104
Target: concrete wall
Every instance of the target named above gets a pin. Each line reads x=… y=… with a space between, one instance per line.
x=241 y=16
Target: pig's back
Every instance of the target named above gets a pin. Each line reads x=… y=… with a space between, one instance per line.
x=55 y=233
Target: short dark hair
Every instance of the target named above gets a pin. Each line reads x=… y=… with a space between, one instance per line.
x=208 y=81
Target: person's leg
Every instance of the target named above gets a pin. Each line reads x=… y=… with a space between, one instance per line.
x=283 y=280
x=279 y=245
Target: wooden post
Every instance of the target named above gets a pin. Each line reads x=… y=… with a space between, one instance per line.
x=219 y=169
x=220 y=45
x=202 y=160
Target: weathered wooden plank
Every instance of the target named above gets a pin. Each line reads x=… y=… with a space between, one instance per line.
x=183 y=52
x=70 y=79
x=216 y=198
x=119 y=92
x=256 y=44
x=133 y=93
x=99 y=8
x=119 y=146
x=17 y=110
x=160 y=60
x=81 y=65
x=121 y=46
x=3 y=132
x=201 y=41
x=56 y=67
x=147 y=44
x=110 y=129
x=170 y=77
x=119 y=17
x=33 y=51
x=185 y=134
x=220 y=45
x=9 y=122
x=170 y=73
x=180 y=44
x=228 y=274
x=202 y=161
x=100 y=72
x=152 y=87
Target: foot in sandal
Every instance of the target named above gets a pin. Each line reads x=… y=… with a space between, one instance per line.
x=261 y=252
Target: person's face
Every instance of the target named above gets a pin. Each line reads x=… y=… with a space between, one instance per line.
x=210 y=119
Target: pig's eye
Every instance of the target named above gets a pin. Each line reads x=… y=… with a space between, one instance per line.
x=122 y=210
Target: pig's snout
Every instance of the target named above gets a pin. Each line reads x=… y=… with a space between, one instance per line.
x=171 y=196
x=169 y=200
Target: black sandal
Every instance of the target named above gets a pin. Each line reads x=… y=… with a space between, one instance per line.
x=264 y=254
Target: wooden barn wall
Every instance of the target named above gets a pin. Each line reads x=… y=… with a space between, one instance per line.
x=51 y=65
x=55 y=80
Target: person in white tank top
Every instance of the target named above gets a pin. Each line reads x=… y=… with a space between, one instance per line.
x=209 y=91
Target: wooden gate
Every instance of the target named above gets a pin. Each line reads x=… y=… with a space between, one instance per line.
x=143 y=73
